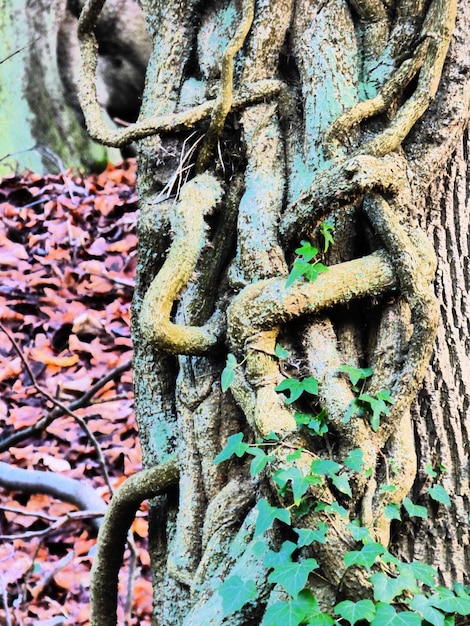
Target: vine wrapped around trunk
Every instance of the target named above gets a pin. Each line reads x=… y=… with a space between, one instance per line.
x=263 y=125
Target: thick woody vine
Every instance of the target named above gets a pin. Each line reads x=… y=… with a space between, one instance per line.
x=369 y=177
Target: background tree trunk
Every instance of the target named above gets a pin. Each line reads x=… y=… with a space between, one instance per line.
x=39 y=130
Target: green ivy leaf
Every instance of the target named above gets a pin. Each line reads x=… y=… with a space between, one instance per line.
x=267 y=514
x=454 y=604
x=312 y=271
x=274 y=559
x=283 y=614
x=293 y=576
x=236 y=593
x=387 y=588
x=310 y=385
x=359 y=533
x=355 y=460
x=234 y=445
x=299 y=482
x=423 y=605
x=386 y=615
x=414 y=510
x=260 y=460
x=356 y=373
x=306 y=251
x=439 y=494
x=293 y=386
x=422 y=571
x=354 y=409
x=326 y=229
x=299 y=268
x=297 y=387
x=334 y=508
x=302 y=265
x=366 y=556
x=356 y=611
x=429 y=470
x=392 y=511
x=281 y=352
x=341 y=482
x=308 y=535
x=324 y=467
x=228 y=373
x=376 y=406
x=295 y=456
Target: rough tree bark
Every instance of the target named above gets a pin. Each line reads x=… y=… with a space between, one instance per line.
x=261 y=120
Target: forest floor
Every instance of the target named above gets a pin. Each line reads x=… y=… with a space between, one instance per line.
x=67 y=263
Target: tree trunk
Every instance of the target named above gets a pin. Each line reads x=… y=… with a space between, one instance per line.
x=228 y=192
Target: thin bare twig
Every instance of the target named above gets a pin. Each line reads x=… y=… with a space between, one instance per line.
x=65 y=409
x=73 y=516
x=82 y=401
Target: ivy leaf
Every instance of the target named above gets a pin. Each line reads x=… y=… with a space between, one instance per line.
x=299 y=482
x=453 y=604
x=392 y=511
x=228 y=373
x=324 y=467
x=274 y=559
x=359 y=533
x=236 y=593
x=439 y=494
x=297 y=387
x=312 y=271
x=260 y=460
x=293 y=576
x=285 y=613
x=281 y=352
x=366 y=556
x=326 y=229
x=423 y=605
x=387 y=588
x=356 y=611
x=308 y=535
x=306 y=250
x=234 y=445
x=295 y=456
x=267 y=514
x=386 y=615
x=333 y=508
x=302 y=265
x=414 y=510
x=429 y=470
x=341 y=482
x=355 y=460
x=355 y=408
x=299 y=268
x=356 y=373
x=310 y=385
x=377 y=406
x=293 y=386
x=422 y=571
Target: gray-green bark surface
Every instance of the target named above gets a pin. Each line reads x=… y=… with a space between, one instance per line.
x=367 y=117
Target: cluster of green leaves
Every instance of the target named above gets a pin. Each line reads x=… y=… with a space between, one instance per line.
x=306 y=264
x=366 y=404
x=404 y=594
